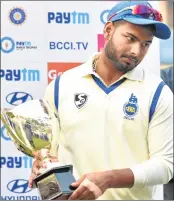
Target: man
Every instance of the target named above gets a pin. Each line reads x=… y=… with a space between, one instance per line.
x=167 y=76
x=115 y=118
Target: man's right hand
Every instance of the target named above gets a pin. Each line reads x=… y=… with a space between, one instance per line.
x=40 y=165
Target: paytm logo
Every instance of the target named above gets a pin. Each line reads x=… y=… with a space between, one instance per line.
x=20 y=75
x=68 y=17
x=15 y=162
x=8 y=45
x=103 y=16
x=21 y=45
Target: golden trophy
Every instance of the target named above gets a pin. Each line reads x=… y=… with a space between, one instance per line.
x=33 y=126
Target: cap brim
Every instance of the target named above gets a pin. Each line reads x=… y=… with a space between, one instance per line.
x=162 y=30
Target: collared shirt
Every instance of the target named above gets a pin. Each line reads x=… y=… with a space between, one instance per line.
x=126 y=125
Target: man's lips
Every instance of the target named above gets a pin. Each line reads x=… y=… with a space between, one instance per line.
x=129 y=60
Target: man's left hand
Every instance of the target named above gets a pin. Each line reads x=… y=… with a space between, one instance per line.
x=90 y=186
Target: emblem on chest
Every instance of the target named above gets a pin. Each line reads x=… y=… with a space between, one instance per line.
x=80 y=99
x=131 y=108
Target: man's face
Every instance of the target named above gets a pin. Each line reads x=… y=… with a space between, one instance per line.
x=127 y=44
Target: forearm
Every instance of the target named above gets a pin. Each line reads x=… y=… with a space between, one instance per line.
x=151 y=172
x=121 y=178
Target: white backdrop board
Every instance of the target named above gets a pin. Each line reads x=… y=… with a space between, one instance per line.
x=38 y=41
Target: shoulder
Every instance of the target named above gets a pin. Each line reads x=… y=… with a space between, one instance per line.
x=74 y=72
x=151 y=77
x=161 y=95
x=68 y=75
x=154 y=82
x=151 y=81
x=157 y=89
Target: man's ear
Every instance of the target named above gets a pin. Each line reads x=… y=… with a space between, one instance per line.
x=108 y=30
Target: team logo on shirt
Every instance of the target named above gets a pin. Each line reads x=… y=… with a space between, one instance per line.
x=80 y=100
x=130 y=108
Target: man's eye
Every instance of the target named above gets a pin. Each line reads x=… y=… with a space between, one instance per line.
x=146 y=44
x=130 y=38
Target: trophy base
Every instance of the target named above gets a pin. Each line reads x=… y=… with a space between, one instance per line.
x=55 y=184
x=61 y=197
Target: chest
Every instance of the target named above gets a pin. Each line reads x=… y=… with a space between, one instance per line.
x=86 y=104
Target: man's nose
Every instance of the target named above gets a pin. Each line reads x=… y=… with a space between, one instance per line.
x=135 y=49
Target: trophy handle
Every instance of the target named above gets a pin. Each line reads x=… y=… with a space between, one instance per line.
x=55 y=137
x=11 y=128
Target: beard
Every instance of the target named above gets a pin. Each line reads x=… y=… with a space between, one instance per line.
x=112 y=54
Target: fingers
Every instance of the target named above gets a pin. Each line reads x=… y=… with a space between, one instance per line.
x=45 y=155
x=30 y=181
x=78 y=182
x=37 y=164
x=41 y=154
x=81 y=197
x=53 y=159
x=92 y=187
x=77 y=193
x=38 y=167
x=87 y=195
x=83 y=193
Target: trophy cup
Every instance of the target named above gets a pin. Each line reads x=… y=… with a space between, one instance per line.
x=33 y=126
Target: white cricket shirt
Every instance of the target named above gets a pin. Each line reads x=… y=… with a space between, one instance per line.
x=126 y=125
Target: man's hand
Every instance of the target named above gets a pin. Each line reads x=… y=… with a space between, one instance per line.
x=39 y=165
x=90 y=186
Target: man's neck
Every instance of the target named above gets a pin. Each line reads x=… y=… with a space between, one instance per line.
x=106 y=70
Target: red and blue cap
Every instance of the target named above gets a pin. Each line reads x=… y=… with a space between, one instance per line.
x=140 y=13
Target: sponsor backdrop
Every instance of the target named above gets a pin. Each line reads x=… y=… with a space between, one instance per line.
x=40 y=40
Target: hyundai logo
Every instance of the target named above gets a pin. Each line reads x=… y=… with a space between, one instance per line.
x=17 y=98
x=18 y=186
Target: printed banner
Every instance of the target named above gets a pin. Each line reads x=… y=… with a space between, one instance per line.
x=40 y=40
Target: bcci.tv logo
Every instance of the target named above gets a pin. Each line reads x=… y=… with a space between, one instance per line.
x=67 y=45
x=56 y=69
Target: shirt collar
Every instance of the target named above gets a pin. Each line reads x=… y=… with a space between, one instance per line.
x=87 y=68
x=137 y=74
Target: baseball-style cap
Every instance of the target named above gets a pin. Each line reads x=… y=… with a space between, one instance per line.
x=140 y=13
